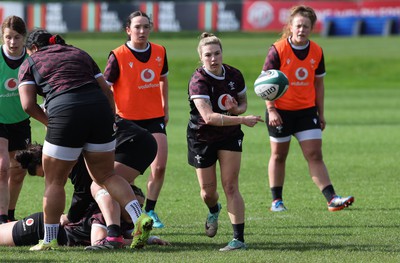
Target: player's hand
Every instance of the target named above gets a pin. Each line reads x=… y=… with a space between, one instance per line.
x=64 y=220
x=231 y=105
x=322 y=122
x=154 y=240
x=275 y=119
x=252 y=120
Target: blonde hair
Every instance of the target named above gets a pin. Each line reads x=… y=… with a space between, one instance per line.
x=208 y=39
x=302 y=10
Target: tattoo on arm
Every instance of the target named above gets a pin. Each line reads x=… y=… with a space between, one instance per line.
x=242 y=98
x=208 y=102
x=203 y=104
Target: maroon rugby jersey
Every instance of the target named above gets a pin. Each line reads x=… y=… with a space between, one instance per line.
x=208 y=86
x=62 y=67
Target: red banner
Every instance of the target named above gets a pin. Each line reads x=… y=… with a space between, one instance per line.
x=273 y=15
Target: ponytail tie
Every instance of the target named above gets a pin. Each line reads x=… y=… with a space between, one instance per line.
x=52 y=40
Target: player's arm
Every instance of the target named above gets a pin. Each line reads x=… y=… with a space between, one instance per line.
x=107 y=91
x=319 y=99
x=212 y=118
x=28 y=97
x=164 y=93
x=217 y=119
x=272 y=61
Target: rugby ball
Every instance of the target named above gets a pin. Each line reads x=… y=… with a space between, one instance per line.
x=271 y=85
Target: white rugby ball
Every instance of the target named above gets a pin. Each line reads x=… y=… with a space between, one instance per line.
x=271 y=85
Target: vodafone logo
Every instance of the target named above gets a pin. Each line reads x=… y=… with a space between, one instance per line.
x=301 y=73
x=222 y=100
x=11 y=84
x=147 y=75
x=29 y=221
x=260 y=14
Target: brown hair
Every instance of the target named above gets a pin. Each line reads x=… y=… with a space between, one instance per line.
x=208 y=39
x=135 y=14
x=302 y=10
x=30 y=158
x=15 y=23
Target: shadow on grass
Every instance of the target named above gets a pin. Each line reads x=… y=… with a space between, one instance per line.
x=318 y=246
x=278 y=247
x=29 y=260
x=394 y=226
x=179 y=247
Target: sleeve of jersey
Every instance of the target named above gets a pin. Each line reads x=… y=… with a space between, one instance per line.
x=272 y=60
x=198 y=87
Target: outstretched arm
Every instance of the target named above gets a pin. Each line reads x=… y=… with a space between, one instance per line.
x=218 y=119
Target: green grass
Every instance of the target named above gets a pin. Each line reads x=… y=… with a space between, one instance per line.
x=361 y=150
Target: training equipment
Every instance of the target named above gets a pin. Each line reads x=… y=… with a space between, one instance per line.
x=233 y=245
x=271 y=85
x=338 y=203
x=277 y=206
x=211 y=225
x=156 y=220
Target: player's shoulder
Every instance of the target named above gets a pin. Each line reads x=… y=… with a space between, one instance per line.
x=314 y=44
x=232 y=72
x=157 y=45
x=160 y=48
x=231 y=68
x=199 y=73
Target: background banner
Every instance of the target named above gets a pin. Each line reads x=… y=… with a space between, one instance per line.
x=176 y=16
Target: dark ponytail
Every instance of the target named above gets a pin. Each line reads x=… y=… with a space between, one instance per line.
x=41 y=38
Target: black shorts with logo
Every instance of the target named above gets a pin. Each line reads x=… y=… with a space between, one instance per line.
x=203 y=154
x=156 y=125
x=294 y=122
x=17 y=134
x=30 y=230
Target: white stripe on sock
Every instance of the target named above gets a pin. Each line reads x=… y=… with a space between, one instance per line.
x=134 y=210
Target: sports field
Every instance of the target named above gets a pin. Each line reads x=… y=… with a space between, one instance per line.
x=361 y=151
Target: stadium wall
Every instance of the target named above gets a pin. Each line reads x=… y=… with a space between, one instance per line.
x=334 y=17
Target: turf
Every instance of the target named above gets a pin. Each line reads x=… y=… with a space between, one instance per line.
x=361 y=145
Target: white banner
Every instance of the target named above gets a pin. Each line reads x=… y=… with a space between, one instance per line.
x=11 y=8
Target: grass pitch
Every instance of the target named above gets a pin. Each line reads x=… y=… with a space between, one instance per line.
x=361 y=150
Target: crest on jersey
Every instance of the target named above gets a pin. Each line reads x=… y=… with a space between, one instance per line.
x=158 y=59
x=231 y=85
x=11 y=84
x=147 y=75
